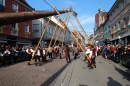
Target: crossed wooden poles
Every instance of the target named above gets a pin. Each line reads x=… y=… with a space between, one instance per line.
x=63 y=32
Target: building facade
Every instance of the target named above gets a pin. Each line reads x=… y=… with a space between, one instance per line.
x=91 y=39
x=98 y=28
x=106 y=30
x=119 y=17
x=17 y=33
x=61 y=33
x=79 y=37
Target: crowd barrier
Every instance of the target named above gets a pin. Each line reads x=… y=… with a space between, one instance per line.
x=18 y=57
x=122 y=59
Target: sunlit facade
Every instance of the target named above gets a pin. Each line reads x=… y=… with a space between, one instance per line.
x=119 y=17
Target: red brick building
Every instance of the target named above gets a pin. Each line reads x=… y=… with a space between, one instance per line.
x=18 y=33
x=100 y=18
x=97 y=18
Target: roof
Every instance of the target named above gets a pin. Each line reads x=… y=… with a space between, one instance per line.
x=24 y=1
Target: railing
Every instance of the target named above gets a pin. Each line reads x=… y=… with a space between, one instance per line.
x=122 y=59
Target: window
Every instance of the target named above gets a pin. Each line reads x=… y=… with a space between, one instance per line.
x=125 y=3
x=117 y=26
x=57 y=30
x=50 y=29
x=129 y=20
x=14 y=30
x=15 y=26
x=126 y=20
x=1 y=2
x=35 y=27
x=26 y=28
x=64 y=39
x=47 y=29
x=15 y=7
x=112 y=30
x=122 y=6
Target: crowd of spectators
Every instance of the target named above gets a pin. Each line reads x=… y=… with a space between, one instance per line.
x=119 y=53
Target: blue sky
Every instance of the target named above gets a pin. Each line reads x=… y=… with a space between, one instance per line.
x=86 y=9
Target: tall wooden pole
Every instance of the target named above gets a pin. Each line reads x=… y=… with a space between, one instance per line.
x=76 y=29
x=73 y=35
x=73 y=24
x=57 y=36
x=61 y=31
x=53 y=33
x=62 y=38
x=45 y=27
x=86 y=36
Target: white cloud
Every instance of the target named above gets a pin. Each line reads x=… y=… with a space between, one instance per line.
x=86 y=19
x=69 y=3
x=66 y=4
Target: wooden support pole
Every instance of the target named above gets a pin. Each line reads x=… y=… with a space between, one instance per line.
x=62 y=38
x=59 y=33
x=73 y=35
x=73 y=24
x=45 y=27
x=53 y=34
x=57 y=36
x=86 y=36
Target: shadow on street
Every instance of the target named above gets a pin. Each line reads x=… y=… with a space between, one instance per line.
x=112 y=82
x=123 y=73
x=54 y=76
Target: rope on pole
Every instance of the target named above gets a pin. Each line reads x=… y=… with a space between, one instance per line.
x=45 y=27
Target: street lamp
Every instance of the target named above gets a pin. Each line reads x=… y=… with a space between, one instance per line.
x=96 y=42
x=119 y=39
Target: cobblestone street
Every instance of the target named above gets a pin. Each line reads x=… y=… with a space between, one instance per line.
x=20 y=74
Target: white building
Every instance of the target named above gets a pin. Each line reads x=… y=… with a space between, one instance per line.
x=38 y=28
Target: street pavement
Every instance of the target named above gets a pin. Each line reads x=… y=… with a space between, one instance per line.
x=56 y=72
x=107 y=73
x=20 y=74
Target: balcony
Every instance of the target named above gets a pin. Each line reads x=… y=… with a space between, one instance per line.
x=1 y=7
